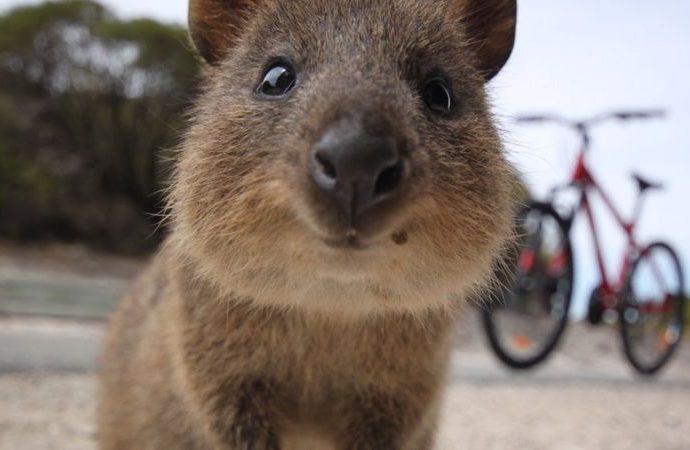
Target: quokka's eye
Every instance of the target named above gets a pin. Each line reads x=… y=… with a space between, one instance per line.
x=278 y=80
x=438 y=96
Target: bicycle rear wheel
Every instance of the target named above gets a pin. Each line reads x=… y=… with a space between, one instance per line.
x=653 y=308
x=530 y=313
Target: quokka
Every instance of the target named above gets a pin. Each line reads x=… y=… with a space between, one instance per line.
x=341 y=190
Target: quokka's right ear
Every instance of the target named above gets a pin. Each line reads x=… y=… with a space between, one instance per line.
x=215 y=24
x=490 y=25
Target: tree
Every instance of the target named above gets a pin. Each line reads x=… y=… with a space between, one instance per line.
x=88 y=103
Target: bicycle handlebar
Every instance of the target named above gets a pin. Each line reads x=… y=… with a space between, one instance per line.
x=534 y=119
x=582 y=124
x=631 y=115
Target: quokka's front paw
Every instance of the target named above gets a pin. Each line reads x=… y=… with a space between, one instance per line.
x=378 y=421
x=254 y=435
x=373 y=440
x=253 y=426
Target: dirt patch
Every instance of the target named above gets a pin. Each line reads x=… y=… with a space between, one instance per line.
x=56 y=412
x=47 y=412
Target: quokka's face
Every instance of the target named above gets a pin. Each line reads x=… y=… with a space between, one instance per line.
x=346 y=147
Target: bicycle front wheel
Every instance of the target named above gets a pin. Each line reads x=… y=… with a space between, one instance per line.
x=531 y=312
x=653 y=308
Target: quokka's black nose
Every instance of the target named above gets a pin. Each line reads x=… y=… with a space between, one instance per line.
x=356 y=169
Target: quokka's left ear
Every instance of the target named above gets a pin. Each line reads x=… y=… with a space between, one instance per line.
x=490 y=26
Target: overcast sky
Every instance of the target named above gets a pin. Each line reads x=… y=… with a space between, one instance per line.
x=579 y=58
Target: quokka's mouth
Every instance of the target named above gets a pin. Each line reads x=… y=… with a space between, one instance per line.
x=352 y=240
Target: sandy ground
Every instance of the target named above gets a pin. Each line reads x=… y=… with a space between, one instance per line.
x=58 y=260
x=585 y=397
x=56 y=412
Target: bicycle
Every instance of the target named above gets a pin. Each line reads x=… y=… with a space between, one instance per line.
x=646 y=299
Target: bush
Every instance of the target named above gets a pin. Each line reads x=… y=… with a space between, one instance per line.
x=88 y=104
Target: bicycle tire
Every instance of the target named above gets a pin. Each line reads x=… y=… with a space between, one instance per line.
x=678 y=310
x=491 y=327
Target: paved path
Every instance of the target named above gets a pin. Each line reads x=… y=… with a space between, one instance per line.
x=62 y=281
x=584 y=398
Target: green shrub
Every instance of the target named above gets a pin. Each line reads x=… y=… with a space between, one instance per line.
x=88 y=104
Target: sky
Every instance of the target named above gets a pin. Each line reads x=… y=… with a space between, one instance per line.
x=580 y=58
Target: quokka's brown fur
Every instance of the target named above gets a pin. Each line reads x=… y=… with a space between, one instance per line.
x=249 y=331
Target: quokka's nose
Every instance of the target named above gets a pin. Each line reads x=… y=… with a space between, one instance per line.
x=357 y=170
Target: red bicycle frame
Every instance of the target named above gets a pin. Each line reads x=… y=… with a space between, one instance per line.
x=583 y=179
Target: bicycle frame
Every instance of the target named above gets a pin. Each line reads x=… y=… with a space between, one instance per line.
x=583 y=179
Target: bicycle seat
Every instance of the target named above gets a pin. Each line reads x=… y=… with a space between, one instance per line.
x=645 y=185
